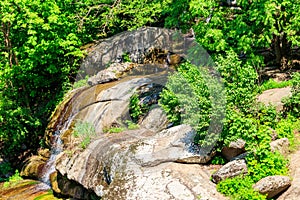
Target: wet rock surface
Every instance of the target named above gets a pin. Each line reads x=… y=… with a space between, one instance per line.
x=26 y=189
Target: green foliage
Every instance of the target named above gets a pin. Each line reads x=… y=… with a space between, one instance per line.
x=103 y=18
x=285 y=129
x=115 y=130
x=218 y=160
x=13 y=179
x=271 y=84
x=170 y=103
x=5 y=168
x=292 y=104
x=137 y=109
x=247 y=29
x=263 y=163
x=85 y=131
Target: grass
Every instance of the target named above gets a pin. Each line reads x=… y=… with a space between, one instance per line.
x=129 y=126
x=271 y=84
x=81 y=83
x=85 y=131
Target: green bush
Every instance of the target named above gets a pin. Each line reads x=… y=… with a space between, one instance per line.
x=239 y=80
x=239 y=188
x=187 y=100
x=135 y=108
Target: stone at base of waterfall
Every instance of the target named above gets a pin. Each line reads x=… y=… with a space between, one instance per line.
x=280 y=145
x=234 y=149
x=229 y=170
x=34 y=166
x=272 y=185
x=113 y=72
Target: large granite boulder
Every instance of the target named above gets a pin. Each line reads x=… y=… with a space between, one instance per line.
x=272 y=185
x=229 y=170
x=133 y=161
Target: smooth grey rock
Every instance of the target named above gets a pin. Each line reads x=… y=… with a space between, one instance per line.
x=234 y=149
x=155 y=120
x=280 y=145
x=272 y=185
x=229 y=170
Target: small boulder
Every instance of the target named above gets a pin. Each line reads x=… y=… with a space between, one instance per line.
x=155 y=120
x=272 y=185
x=280 y=145
x=229 y=170
x=234 y=149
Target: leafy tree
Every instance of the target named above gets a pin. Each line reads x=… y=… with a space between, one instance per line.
x=251 y=28
x=39 y=50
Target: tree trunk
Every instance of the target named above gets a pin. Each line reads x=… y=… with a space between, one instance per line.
x=8 y=46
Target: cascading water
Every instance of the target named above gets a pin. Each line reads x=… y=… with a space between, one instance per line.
x=49 y=168
x=64 y=116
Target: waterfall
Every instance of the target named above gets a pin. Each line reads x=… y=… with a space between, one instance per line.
x=49 y=167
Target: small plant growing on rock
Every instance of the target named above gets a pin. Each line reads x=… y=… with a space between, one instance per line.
x=85 y=131
x=13 y=179
x=131 y=125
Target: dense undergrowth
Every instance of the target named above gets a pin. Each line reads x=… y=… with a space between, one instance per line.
x=43 y=43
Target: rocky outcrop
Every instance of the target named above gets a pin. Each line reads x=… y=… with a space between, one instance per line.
x=229 y=170
x=272 y=185
x=234 y=149
x=153 y=161
x=280 y=145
